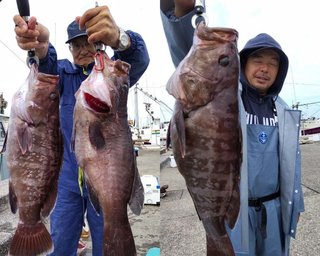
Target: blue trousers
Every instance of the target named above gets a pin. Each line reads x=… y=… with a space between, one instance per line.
x=66 y=222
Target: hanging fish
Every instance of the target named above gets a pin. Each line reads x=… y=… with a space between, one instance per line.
x=34 y=151
x=104 y=149
x=205 y=131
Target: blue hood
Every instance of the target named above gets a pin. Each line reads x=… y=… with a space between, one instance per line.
x=265 y=41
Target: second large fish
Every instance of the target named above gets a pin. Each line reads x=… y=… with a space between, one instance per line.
x=34 y=150
x=205 y=131
x=104 y=150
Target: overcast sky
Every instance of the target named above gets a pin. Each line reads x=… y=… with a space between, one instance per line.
x=292 y=23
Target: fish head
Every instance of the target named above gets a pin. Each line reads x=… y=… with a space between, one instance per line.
x=211 y=66
x=102 y=90
x=38 y=98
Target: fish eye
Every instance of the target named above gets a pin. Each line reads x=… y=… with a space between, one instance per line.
x=53 y=96
x=224 y=61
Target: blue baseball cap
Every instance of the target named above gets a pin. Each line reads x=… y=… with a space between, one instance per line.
x=74 y=31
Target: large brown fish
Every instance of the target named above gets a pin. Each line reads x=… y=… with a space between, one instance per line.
x=34 y=154
x=104 y=150
x=205 y=131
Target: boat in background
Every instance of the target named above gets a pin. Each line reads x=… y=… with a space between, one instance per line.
x=309 y=130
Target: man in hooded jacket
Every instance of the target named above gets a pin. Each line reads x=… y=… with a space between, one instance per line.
x=270 y=186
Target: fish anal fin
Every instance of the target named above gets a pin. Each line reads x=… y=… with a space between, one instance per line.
x=234 y=207
x=96 y=136
x=137 y=194
x=50 y=201
x=93 y=197
x=12 y=199
x=3 y=149
x=214 y=226
x=168 y=140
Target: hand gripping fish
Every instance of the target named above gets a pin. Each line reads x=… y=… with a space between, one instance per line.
x=104 y=150
x=34 y=151
x=205 y=131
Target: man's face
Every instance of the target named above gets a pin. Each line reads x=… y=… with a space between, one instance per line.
x=261 y=69
x=82 y=52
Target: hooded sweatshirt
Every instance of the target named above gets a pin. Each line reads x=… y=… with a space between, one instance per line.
x=261 y=109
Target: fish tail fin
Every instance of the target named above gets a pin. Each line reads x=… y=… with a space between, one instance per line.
x=219 y=246
x=31 y=240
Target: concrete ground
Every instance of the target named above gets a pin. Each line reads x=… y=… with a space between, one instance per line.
x=175 y=227
x=182 y=233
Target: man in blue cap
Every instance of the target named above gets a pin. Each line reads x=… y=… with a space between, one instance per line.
x=94 y=26
x=271 y=192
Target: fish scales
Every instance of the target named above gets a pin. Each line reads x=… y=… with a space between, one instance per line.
x=205 y=131
x=34 y=151
x=104 y=149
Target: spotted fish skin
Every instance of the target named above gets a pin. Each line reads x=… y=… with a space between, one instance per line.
x=205 y=131
x=34 y=150
x=104 y=150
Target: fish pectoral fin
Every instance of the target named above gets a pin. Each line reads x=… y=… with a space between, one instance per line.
x=24 y=137
x=96 y=136
x=137 y=193
x=12 y=199
x=178 y=124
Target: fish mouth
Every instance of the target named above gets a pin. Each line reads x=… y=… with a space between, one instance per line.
x=96 y=104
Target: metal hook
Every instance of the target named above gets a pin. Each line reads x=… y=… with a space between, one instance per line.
x=32 y=58
x=200 y=15
x=99 y=47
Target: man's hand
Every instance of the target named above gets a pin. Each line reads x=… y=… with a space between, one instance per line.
x=32 y=35
x=100 y=26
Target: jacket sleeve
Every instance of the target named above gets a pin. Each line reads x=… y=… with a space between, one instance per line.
x=48 y=65
x=137 y=56
x=179 y=34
